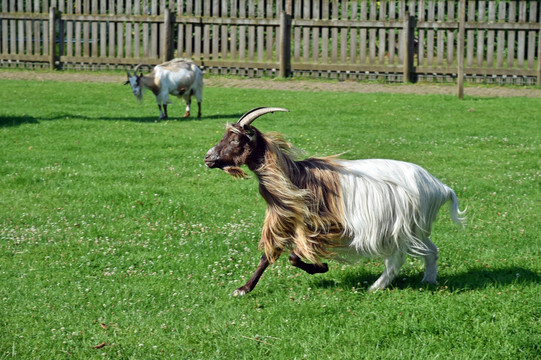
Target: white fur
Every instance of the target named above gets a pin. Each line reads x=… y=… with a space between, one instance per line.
x=191 y=78
x=168 y=78
x=389 y=208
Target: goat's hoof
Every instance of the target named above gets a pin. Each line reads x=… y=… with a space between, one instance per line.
x=324 y=268
x=375 y=288
x=239 y=292
x=187 y=114
x=319 y=269
x=430 y=281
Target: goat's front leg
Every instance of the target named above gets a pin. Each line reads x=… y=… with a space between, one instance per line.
x=393 y=263
x=311 y=269
x=163 y=113
x=250 y=284
x=165 y=110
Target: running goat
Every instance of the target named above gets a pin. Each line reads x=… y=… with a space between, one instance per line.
x=326 y=207
x=179 y=77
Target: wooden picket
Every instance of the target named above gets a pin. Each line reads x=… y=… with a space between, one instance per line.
x=392 y=40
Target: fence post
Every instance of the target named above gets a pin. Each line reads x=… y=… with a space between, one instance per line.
x=539 y=57
x=460 y=47
x=408 y=51
x=52 y=38
x=167 y=38
x=285 y=44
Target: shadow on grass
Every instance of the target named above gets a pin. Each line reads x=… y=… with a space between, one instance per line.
x=147 y=119
x=480 y=278
x=473 y=279
x=6 y=121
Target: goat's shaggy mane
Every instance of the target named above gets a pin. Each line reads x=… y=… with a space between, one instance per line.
x=304 y=211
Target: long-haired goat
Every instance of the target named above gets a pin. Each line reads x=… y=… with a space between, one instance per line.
x=322 y=207
x=179 y=77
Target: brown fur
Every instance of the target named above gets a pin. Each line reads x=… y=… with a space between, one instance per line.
x=152 y=83
x=181 y=90
x=303 y=207
x=236 y=172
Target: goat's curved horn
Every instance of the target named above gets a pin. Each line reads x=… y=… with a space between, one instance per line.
x=137 y=68
x=253 y=114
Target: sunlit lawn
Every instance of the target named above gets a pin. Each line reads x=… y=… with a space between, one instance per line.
x=116 y=240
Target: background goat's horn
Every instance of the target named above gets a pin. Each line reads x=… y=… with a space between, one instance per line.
x=137 y=68
x=253 y=114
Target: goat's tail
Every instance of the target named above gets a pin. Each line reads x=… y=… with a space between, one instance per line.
x=459 y=217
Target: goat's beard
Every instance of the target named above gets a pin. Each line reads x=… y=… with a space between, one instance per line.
x=235 y=171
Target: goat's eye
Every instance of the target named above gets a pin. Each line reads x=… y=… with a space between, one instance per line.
x=234 y=142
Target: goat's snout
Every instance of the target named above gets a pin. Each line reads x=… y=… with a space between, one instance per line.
x=211 y=158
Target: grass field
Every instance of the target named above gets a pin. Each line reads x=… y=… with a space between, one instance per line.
x=116 y=241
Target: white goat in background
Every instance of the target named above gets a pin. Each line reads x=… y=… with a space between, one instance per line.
x=179 y=77
x=322 y=207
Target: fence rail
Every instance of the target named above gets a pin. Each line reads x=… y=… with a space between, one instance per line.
x=392 y=40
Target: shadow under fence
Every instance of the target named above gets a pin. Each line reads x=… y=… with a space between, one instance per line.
x=7 y=121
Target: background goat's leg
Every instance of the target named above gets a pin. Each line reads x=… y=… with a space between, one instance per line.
x=199 y=96
x=163 y=113
x=250 y=284
x=311 y=269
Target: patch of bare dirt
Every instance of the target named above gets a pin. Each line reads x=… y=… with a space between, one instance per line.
x=291 y=84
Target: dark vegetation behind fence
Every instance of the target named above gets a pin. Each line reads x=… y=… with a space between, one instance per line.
x=391 y=40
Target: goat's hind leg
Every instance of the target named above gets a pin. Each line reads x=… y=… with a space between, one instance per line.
x=188 y=100
x=431 y=266
x=311 y=269
x=199 y=96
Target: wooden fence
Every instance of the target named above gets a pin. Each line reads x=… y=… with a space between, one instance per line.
x=391 y=40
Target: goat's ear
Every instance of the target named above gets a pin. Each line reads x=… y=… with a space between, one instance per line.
x=250 y=132
x=127 y=82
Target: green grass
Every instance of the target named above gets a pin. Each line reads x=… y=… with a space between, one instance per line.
x=113 y=231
